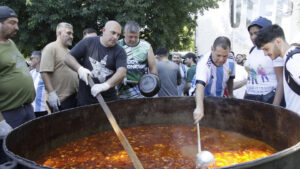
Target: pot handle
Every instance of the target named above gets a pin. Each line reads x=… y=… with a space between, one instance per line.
x=9 y=165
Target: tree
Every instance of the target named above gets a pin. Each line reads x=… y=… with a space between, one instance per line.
x=164 y=23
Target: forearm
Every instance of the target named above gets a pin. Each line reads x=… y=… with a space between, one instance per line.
x=278 y=96
x=152 y=62
x=199 y=96
x=239 y=84
x=72 y=62
x=279 y=88
x=230 y=87
x=47 y=81
x=117 y=77
x=153 y=68
x=178 y=81
x=187 y=87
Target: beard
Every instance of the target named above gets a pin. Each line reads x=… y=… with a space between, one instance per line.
x=68 y=42
x=11 y=34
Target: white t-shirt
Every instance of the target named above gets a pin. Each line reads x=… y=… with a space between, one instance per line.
x=261 y=75
x=213 y=77
x=240 y=75
x=292 y=99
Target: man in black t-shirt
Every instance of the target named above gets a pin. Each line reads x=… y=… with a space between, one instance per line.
x=101 y=58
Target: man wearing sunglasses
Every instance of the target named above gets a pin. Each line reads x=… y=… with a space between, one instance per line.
x=38 y=104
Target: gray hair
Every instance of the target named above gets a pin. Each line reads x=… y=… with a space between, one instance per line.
x=176 y=53
x=63 y=25
x=132 y=27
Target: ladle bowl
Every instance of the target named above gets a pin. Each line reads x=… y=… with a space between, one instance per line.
x=204 y=159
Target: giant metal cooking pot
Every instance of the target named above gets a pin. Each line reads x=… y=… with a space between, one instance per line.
x=274 y=125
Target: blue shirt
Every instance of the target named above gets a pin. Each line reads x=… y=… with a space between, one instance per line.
x=39 y=101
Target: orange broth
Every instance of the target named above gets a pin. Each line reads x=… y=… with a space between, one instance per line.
x=156 y=147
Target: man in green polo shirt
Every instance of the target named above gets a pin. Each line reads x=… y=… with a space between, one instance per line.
x=190 y=60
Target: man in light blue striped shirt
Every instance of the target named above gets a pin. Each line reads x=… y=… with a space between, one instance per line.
x=214 y=72
x=39 y=101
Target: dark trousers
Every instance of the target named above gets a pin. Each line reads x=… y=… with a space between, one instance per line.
x=68 y=103
x=14 y=118
x=18 y=116
x=267 y=98
x=40 y=113
x=3 y=156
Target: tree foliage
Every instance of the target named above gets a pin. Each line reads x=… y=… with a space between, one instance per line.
x=168 y=23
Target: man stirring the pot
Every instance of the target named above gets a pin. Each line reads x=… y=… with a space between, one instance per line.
x=101 y=58
x=140 y=57
x=214 y=72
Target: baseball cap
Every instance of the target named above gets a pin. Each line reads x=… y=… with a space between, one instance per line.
x=260 y=22
x=6 y=12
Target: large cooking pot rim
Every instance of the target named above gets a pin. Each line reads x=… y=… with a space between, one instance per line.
x=34 y=165
x=278 y=155
x=21 y=160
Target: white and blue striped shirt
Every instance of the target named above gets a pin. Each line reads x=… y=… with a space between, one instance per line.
x=213 y=77
x=39 y=101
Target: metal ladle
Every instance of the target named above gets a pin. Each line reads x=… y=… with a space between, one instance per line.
x=203 y=158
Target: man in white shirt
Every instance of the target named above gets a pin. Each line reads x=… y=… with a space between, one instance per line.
x=264 y=74
x=176 y=58
x=272 y=40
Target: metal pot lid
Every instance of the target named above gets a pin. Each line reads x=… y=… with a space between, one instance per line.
x=149 y=85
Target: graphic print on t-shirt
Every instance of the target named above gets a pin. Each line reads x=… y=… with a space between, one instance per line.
x=99 y=69
x=262 y=72
x=252 y=74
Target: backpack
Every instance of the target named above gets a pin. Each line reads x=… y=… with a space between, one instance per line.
x=251 y=49
x=290 y=81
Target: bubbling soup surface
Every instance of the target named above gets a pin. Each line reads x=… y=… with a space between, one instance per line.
x=156 y=147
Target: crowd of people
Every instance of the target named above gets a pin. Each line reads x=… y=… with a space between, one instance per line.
x=59 y=76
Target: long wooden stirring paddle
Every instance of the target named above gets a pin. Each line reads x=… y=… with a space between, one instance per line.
x=136 y=162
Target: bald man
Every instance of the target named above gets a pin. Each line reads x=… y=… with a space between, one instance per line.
x=103 y=59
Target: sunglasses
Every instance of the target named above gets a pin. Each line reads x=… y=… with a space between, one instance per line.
x=31 y=58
